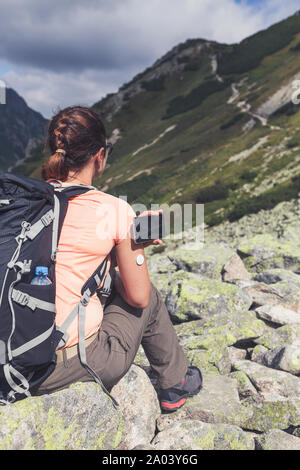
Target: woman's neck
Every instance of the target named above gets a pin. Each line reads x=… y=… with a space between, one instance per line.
x=78 y=181
x=84 y=177
x=92 y=170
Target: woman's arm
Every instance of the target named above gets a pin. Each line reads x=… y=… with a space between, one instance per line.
x=132 y=281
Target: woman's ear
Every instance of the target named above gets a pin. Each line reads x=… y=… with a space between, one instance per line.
x=99 y=162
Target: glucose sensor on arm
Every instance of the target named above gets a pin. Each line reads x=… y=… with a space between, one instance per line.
x=140 y=260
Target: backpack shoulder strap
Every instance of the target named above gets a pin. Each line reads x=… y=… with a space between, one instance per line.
x=76 y=188
x=62 y=195
x=87 y=291
x=90 y=287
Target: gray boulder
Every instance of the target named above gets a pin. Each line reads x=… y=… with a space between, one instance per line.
x=217 y=402
x=269 y=381
x=201 y=258
x=272 y=276
x=282 y=336
x=79 y=417
x=139 y=406
x=262 y=294
x=278 y=314
x=283 y=358
x=266 y=251
x=235 y=269
x=273 y=413
x=195 y=435
x=244 y=385
x=83 y=417
x=206 y=342
x=277 y=440
x=191 y=297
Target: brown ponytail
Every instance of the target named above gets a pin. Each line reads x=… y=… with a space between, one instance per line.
x=55 y=168
x=75 y=135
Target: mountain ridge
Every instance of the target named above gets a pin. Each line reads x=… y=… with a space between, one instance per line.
x=184 y=49
x=218 y=114
x=21 y=130
x=190 y=129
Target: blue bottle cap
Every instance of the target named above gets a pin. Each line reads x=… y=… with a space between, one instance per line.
x=41 y=271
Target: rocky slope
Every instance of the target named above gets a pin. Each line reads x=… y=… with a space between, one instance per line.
x=235 y=304
x=21 y=130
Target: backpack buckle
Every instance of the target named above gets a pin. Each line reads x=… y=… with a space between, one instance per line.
x=25 y=266
x=85 y=298
x=106 y=289
x=21 y=298
x=53 y=255
x=46 y=219
x=25 y=227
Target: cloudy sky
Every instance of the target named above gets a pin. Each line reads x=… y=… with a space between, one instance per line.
x=67 y=52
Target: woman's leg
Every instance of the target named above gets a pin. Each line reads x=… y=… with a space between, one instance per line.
x=150 y=327
x=112 y=353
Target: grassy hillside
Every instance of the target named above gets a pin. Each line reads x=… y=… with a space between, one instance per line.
x=209 y=123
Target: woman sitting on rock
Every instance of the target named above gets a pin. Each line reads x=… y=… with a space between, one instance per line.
x=134 y=314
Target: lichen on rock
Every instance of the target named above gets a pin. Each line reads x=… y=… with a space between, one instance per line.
x=235 y=305
x=79 y=417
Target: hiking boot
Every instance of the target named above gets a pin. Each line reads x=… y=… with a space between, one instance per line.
x=173 y=398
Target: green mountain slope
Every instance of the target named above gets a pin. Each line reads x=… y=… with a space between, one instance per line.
x=21 y=130
x=210 y=123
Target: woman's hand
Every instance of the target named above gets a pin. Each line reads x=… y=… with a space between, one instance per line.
x=132 y=281
x=157 y=241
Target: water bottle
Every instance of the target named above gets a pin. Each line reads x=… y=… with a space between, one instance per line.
x=41 y=279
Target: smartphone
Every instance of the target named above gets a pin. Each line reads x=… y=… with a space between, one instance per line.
x=148 y=227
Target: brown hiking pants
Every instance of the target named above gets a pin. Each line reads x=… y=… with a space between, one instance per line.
x=113 y=350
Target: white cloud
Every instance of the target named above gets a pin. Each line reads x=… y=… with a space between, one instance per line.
x=45 y=91
x=76 y=51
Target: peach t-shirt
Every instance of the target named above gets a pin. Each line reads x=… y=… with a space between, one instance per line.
x=95 y=222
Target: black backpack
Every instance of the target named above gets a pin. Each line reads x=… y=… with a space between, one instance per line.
x=31 y=217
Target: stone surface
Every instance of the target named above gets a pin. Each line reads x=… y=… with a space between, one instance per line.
x=278 y=314
x=191 y=297
x=195 y=435
x=161 y=270
x=235 y=269
x=277 y=440
x=284 y=358
x=269 y=381
x=206 y=342
x=244 y=385
x=272 y=413
x=272 y=276
x=258 y=352
x=217 y=402
x=79 y=417
x=141 y=358
x=264 y=251
x=281 y=336
x=208 y=351
x=139 y=406
x=221 y=331
x=236 y=354
x=201 y=258
x=262 y=294
x=235 y=303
